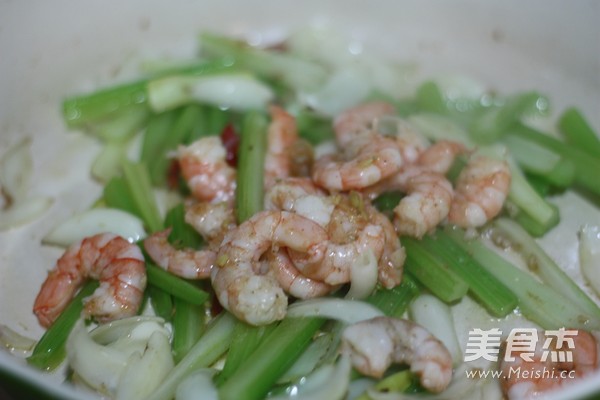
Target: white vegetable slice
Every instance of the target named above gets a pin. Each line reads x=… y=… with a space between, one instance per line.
x=16 y=167
x=198 y=382
x=589 y=255
x=94 y=221
x=435 y=316
x=13 y=341
x=364 y=276
x=24 y=212
x=348 y=311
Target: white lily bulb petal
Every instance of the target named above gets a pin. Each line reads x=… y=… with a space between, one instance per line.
x=24 y=211
x=348 y=311
x=16 y=167
x=94 y=221
x=589 y=255
x=364 y=276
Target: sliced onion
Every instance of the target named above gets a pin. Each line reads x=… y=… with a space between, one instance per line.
x=16 y=167
x=198 y=384
x=24 y=212
x=589 y=255
x=311 y=357
x=348 y=311
x=435 y=316
x=94 y=221
x=364 y=276
x=329 y=382
x=142 y=348
x=14 y=341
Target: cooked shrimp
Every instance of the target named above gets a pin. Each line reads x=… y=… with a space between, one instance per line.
x=281 y=136
x=116 y=263
x=522 y=379
x=393 y=256
x=239 y=281
x=186 y=263
x=291 y=280
x=440 y=156
x=481 y=188
x=358 y=120
x=205 y=169
x=427 y=203
x=376 y=343
x=369 y=159
x=409 y=141
x=211 y=220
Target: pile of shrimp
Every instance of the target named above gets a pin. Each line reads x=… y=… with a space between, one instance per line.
x=318 y=218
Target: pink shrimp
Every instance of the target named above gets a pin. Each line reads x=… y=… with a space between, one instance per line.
x=116 y=263
x=206 y=171
x=186 y=263
x=284 y=193
x=527 y=378
x=239 y=281
x=374 y=344
x=211 y=220
x=281 y=136
x=291 y=280
x=409 y=141
x=393 y=256
x=440 y=156
x=369 y=159
x=358 y=120
x=481 y=189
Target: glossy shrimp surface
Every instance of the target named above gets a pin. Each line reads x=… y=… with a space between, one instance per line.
x=241 y=283
x=481 y=190
x=281 y=137
x=542 y=373
x=376 y=343
x=117 y=264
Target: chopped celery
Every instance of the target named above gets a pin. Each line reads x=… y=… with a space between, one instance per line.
x=174 y=285
x=153 y=149
x=577 y=131
x=140 y=189
x=107 y=164
x=188 y=324
x=182 y=235
x=116 y=195
x=50 y=351
x=394 y=302
x=432 y=272
x=161 y=301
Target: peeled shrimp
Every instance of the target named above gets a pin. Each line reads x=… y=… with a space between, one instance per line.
x=186 y=263
x=116 y=263
x=393 y=256
x=428 y=200
x=358 y=120
x=281 y=136
x=376 y=343
x=205 y=169
x=241 y=283
x=523 y=379
x=440 y=156
x=291 y=280
x=369 y=159
x=211 y=220
x=481 y=189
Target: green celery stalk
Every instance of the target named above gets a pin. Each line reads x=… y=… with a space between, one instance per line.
x=140 y=188
x=578 y=132
x=182 y=235
x=153 y=152
x=430 y=271
x=50 y=350
x=174 y=285
x=188 y=325
x=395 y=301
x=273 y=356
x=251 y=158
x=491 y=293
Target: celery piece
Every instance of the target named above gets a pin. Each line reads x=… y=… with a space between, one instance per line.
x=537 y=301
x=313 y=127
x=153 y=152
x=586 y=166
x=532 y=227
x=208 y=349
x=540 y=263
x=541 y=161
x=274 y=355
x=116 y=195
x=577 y=131
x=491 y=293
x=386 y=202
x=122 y=126
x=50 y=351
x=182 y=235
x=161 y=301
x=431 y=99
x=432 y=272
x=140 y=188
x=251 y=159
x=395 y=383
x=394 y=302
x=245 y=340
x=108 y=162
x=188 y=325
x=174 y=285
